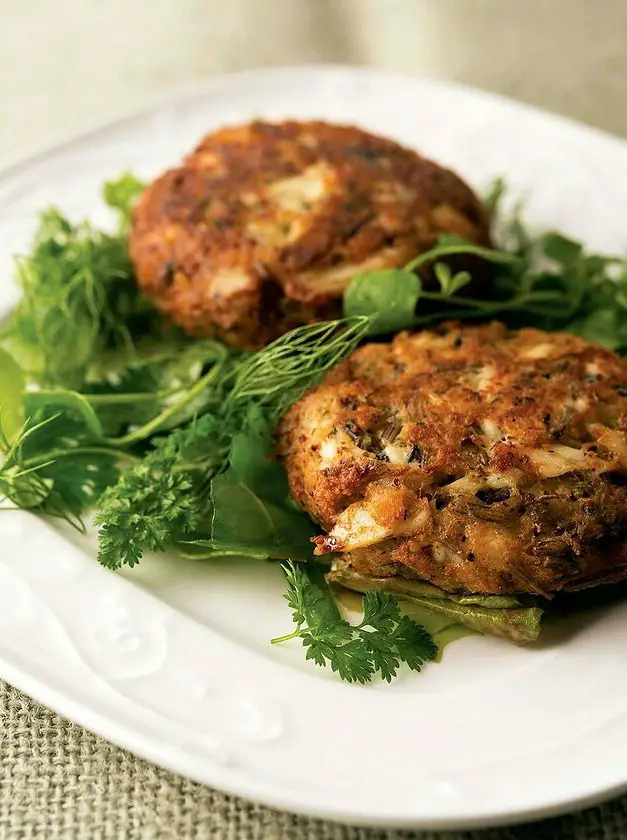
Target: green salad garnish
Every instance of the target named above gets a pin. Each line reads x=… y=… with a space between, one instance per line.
x=104 y=406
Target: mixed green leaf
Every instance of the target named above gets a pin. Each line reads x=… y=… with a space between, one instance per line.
x=78 y=298
x=497 y=615
x=104 y=406
x=546 y=281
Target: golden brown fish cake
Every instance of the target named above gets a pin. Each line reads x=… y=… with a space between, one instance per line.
x=477 y=458
x=263 y=226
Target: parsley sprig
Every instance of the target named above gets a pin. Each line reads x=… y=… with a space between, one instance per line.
x=357 y=653
x=207 y=479
x=147 y=508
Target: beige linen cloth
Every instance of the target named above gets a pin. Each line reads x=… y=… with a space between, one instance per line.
x=70 y=63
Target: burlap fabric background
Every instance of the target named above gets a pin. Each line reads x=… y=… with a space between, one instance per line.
x=59 y=782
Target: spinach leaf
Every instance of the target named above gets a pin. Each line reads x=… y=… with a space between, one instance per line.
x=252 y=509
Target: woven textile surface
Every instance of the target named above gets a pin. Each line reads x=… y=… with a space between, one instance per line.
x=59 y=782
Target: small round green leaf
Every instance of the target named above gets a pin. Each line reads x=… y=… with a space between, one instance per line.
x=389 y=296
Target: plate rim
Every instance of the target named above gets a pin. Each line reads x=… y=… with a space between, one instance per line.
x=57 y=141
x=139 y=743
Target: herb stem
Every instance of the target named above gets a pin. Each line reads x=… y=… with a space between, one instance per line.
x=152 y=426
x=54 y=454
x=454 y=313
x=482 y=307
x=463 y=248
x=113 y=399
x=287 y=637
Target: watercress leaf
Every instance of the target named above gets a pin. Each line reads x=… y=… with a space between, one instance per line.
x=459 y=280
x=389 y=296
x=443 y=276
x=450 y=283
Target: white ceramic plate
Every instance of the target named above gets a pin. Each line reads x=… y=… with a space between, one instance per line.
x=172 y=660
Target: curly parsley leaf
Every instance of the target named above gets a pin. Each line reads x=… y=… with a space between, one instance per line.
x=159 y=500
x=357 y=653
x=145 y=511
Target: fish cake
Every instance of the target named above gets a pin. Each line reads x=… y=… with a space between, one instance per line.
x=262 y=227
x=480 y=459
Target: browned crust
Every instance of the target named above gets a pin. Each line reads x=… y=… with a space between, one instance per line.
x=518 y=468
x=226 y=209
